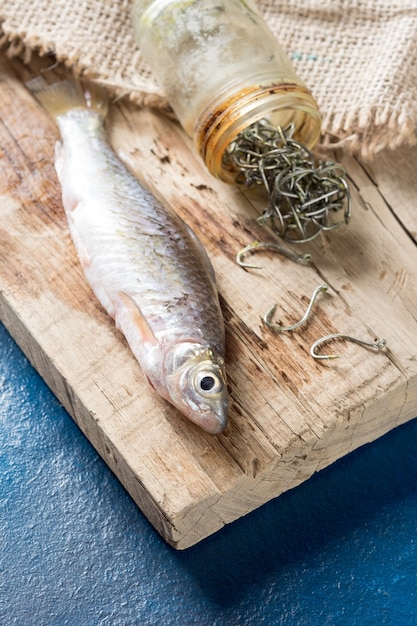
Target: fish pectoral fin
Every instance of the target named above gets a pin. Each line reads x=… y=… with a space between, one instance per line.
x=133 y=312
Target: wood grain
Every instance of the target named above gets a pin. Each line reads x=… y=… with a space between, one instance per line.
x=291 y=415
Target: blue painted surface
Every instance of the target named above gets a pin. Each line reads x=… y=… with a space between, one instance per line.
x=339 y=550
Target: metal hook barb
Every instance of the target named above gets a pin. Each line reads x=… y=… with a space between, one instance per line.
x=378 y=345
x=304 y=259
x=267 y=317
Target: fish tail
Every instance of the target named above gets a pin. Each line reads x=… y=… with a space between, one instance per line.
x=60 y=97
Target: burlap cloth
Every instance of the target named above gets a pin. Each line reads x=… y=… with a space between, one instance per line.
x=358 y=57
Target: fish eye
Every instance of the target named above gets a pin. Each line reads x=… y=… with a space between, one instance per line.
x=208 y=382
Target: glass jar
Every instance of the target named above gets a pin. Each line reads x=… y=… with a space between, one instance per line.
x=222 y=69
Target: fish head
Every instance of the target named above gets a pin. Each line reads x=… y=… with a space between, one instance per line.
x=196 y=385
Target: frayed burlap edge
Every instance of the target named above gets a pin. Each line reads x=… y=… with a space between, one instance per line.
x=364 y=138
x=16 y=46
x=371 y=136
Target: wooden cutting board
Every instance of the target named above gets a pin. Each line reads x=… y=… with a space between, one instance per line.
x=290 y=415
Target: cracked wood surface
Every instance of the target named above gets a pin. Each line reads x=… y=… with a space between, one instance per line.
x=290 y=415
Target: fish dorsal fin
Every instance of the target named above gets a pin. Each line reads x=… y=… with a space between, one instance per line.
x=131 y=310
x=201 y=249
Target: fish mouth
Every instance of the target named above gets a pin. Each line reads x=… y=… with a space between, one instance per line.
x=213 y=422
x=216 y=428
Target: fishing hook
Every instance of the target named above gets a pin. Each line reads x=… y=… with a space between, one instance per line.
x=303 y=320
x=378 y=345
x=303 y=193
x=304 y=259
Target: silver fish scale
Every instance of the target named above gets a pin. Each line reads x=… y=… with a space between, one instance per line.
x=133 y=244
